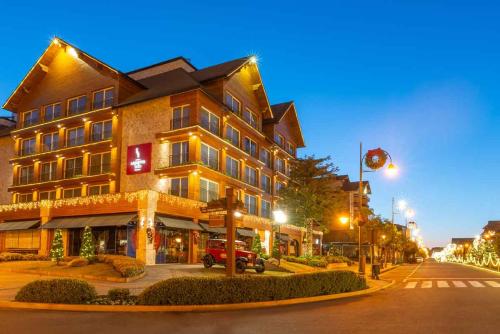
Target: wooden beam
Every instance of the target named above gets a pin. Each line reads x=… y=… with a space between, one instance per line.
x=44 y=68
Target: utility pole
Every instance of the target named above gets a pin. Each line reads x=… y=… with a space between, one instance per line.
x=360 y=215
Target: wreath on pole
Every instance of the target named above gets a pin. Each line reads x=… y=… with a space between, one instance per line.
x=375 y=158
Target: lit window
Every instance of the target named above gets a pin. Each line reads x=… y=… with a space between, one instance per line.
x=232 y=167
x=250 y=147
x=233 y=104
x=48 y=171
x=100 y=189
x=210 y=156
x=102 y=130
x=102 y=99
x=250 y=118
x=251 y=204
x=233 y=135
x=209 y=121
x=100 y=163
x=52 y=112
x=73 y=192
x=180 y=117
x=50 y=142
x=209 y=190
x=77 y=105
x=31 y=117
x=75 y=137
x=179 y=187
x=73 y=167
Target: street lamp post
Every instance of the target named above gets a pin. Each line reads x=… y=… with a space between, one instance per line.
x=279 y=218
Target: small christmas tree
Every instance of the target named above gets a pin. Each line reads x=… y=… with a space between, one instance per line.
x=57 y=249
x=257 y=245
x=87 y=250
x=276 y=248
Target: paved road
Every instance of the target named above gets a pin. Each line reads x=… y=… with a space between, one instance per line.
x=418 y=303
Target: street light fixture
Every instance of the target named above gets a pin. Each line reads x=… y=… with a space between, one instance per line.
x=344 y=220
x=280 y=217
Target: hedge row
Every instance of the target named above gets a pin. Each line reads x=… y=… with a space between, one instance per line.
x=126 y=266
x=5 y=257
x=244 y=289
x=57 y=291
x=309 y=261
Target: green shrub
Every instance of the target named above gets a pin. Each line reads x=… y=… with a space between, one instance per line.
x=6 y=256
x=126 y=266
x=338 y=259
x=244 y=289
x=79 y=262
x=119 y=294
x=57 y=291
x=314 y=261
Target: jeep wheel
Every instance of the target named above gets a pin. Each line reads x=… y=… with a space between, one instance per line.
x=240 y=266
x=208 y=262
x=259 y=266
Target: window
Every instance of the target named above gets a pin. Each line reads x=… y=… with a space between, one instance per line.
x=75 y=136
x=27 y=174
x=233 y=135
x=265 y=157
x=279 y=140
x=251 y=176
x=250 y=147
x=102 y=99
x=24 y=198
x=28 y=146
x=77 y=105
x=73 y=167
x=73 y=192
x=179 y=187
x=50 y=142
x=251 y=118
x=180 y=117
x=290 y=148
x=280 y=165
x=232 y=167
x=48 y=171
x=47 y=195
x=210 y=156
x=209 y=190
x=180 y=153
x=265 y=209
x=251 y=204
x=100 y=163
x=30 y=117
x=279 y=186
x=102 y=130
x=265 y=183
x=233 y=104
x=100 y=189
x=51 y=112
x=209 y=121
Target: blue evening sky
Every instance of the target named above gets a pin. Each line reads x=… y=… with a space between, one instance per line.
x=419 y=79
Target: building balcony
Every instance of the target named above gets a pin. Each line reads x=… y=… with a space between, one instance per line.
x=75 y=178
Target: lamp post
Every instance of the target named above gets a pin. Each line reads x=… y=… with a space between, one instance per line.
x=279 y=218
x=380 y=161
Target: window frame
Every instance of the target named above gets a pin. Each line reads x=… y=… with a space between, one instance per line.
x=49 y=192
x=247 y=176
x=73 y=192
x=250 y=141
x=209 y=155
x=262 y=205
x=54 y=145
x=29 y=177
x=249 y=207
x=229 y=170
x=52 y=171
x=181 y=189
x=100 y=186
x=77 y=99
x=32 y=150
x=53 y=105
x=253 y=121
x=231 y=139
x=184 y=120
x=210 y=116
x=65 y=176
x=233 y=98
x=103 y=132
x=31 y=122
x=104 y=99
x=101 y=164
x=208 y=197
x=68 y=136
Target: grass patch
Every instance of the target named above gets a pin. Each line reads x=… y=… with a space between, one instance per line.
x=101 y=270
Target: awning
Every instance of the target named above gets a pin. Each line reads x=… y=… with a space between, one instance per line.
x=222 y=230
x=18 y=225
x=246 y=233
x=92 y=221
x=178 y=223
x=282 y=236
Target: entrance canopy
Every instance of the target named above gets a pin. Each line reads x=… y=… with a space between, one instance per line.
x=177 y=223
x=18 y=225
x=92 y=221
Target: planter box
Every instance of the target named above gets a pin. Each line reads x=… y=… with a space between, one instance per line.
x=336 y=265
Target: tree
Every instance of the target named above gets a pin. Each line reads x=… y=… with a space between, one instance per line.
x=57 y=248
x=257 y=245
x=311 y=194
x=87 y=250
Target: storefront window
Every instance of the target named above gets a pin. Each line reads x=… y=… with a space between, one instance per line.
x=171 y=245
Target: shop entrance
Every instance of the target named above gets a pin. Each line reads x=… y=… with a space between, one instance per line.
x=171 y=245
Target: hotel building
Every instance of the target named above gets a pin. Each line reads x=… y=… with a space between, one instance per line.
x=136 y=155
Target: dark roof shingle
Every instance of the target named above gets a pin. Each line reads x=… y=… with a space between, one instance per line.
x=219 y=70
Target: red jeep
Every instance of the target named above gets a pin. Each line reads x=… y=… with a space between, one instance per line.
x=216 y=254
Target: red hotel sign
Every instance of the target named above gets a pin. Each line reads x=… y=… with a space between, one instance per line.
x=139 y=159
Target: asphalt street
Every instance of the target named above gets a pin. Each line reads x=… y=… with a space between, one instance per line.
x=427 y=298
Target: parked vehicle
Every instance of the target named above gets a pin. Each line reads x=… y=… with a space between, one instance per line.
x=216 y=254
x=419 y=259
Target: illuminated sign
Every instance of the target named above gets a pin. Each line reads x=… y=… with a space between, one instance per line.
x=139 y=159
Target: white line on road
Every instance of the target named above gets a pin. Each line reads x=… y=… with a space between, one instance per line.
x=411 y=285
x=459 y=284
x=476 y=284
x=406 y=279
x=426 y=284
x=452 y=278
x=443 y=284
x=493 y=284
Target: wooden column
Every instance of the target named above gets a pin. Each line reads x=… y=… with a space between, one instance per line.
x=146 y=207
x=230 y=234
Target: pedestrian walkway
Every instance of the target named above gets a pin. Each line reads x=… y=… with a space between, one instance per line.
x=442 y=284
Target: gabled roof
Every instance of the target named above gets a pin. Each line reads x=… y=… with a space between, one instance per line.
x=493 y=225
x=279 y=111
x=220 y=70
x=162 y=63
x=40 y=68
x=354 y=186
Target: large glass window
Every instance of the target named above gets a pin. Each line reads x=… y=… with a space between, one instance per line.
x=28 y=146
x=265 y=157
x=100 y=163
x=251 y=118
x=24 y=198
x=290 y=148
x=233 y=135
x=73 y=192
x=98 y=189
x=209 y=190
x=250 y=147
x=265 y=183
x=180 y=117
x=73 y=167
x=102 y=130
x=102 y=99
x=232 y=167
x=48 y=171
x=77 y=105
x=279 y=140
x=233 y=103
x=31 y=117
x=209 y=121
x=52 y=112
x=75 y=137
x=50 y=142
x=179 y=186
x=251 y=204
x=280 y=165
x=210 y=156
x=180 y=153
x=251 y=176
x=265 y=209
x=47 y=195
x=27 y=174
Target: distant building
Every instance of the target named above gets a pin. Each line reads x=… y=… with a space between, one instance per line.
x=491 y=230
x=6 y=152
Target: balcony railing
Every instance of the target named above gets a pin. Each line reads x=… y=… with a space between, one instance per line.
x=27 y=151
x=99 y=169
x=45 y=177
x=77 y=141
x=174 y=160
x=207 y=195
x=179 y=123
x=72 y=173
x=97 y=137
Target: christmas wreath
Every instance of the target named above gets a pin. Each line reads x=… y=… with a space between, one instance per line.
x=375 y=158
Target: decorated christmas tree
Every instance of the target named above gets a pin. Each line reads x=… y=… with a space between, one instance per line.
x=276 y=248
x=257 y=245
x=57 y=249
x=87 y=250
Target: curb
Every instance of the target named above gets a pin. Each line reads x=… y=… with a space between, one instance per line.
x=189 y=308
x=478 y=268
x=89 y=277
